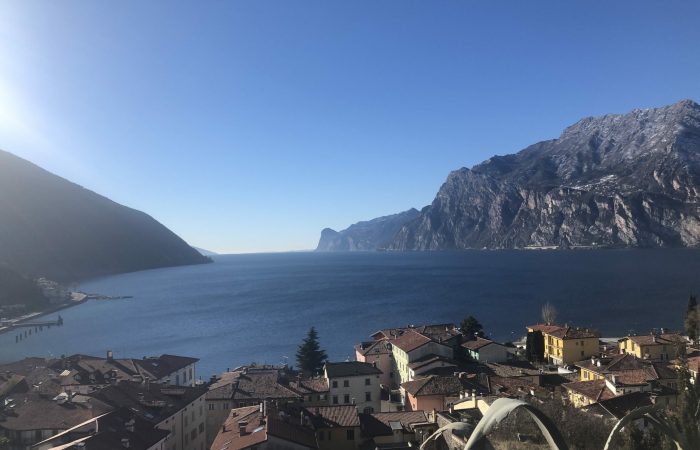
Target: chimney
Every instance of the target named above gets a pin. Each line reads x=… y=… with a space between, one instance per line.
x=125 y=443
x=130 y=425
x=241 y=427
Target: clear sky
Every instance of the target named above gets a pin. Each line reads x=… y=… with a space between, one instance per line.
x=251 y=125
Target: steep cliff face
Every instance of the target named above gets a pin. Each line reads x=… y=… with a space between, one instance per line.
x=51 y=227
x=365 y=236
x=617 y=180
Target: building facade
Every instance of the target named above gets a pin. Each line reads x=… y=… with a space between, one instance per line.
x=354 y=383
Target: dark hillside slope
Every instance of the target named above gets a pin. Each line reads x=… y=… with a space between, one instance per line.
x=54 y=228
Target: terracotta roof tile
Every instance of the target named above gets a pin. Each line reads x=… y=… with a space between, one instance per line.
x=544 y=328
x=410 y=340
x=434 y=385
x=350 y=369
x=478 y=343
x=660 y=339
x=337 y=416
x=594 y=390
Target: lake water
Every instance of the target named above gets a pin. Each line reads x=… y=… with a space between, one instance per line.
x=245 y=308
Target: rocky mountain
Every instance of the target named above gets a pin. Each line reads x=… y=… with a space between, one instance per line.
x=630 y=180
x=365 y=236
x=51 y=227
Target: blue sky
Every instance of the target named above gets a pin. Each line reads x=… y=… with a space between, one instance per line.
x=251 y=125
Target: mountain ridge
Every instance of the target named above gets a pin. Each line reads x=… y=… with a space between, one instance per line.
x=55 y=228
x=616 y=180
x=627 y=180
x=366 y=235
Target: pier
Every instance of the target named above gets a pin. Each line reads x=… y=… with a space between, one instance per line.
x=34 y=327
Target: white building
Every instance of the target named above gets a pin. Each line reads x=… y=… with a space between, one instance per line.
x=180 y=410
x=485 y=350
x=354 y=383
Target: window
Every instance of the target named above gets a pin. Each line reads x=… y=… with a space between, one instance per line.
x=201 y=428
x=346 y=383
x=335 y=399
x=368 y=381
x=211 y=407
x=225 y=405
x=346 y=399
x=581 y=352
x=368 y=410
x=335 y=383
x=193 y=434
x=351 y=435
x=368 y=396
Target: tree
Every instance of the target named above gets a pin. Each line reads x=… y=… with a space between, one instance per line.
x=534 y=346
x=688 y=403
x=471 y=328
x=692 y=319
x=310 y=357
x=549 y=313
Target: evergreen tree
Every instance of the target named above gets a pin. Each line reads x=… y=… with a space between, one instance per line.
x=310 y=357
x=692 y=319
x=471 y=328
x=534 y=346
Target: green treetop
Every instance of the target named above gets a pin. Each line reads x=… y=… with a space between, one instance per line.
x=310 y=357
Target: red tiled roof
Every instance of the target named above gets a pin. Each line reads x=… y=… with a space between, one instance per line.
x=478 y=343
x=628 y=369
x=573 y=333
x=410 y=340
x=657 y=339
x=310 y=385
x=338 y=416
x=257 y=429
x=544 y=327
x=229 y=436
x=429 y=359
x=595 y=390
x=380 y=347
x=433 y=385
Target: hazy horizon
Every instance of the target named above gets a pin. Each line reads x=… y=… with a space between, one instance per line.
x=251 y=126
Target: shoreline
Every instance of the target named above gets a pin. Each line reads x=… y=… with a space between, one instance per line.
x=36 y=315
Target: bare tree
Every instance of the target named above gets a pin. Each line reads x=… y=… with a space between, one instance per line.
x=549 y=313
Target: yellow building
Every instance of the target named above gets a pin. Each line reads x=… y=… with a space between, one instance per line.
x=584 y=393
x=566 y=345
x=629 y=370
x=656 y=347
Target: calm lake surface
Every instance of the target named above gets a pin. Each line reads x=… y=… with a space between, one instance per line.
x=245 y=308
